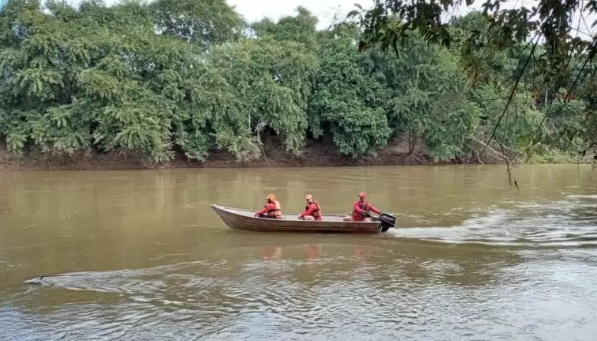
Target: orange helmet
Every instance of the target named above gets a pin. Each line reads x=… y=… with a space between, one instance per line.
x=308 y=197
x=271 y=197
x=362 y=195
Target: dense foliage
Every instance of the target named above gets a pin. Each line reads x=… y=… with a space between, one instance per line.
x=188 y=77
x=554 y=38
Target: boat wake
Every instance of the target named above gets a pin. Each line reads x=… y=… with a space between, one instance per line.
x=571 y=222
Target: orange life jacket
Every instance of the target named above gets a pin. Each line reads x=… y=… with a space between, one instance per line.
x=317 y=212
x=363 y=206
x=276 y=212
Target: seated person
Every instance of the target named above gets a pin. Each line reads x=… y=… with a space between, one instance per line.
x=312 y=210
x=361 y=209
x=271 y=210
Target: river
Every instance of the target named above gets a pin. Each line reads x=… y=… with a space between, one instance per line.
x=139 y=255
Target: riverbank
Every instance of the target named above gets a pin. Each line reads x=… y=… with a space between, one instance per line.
x=314 y=155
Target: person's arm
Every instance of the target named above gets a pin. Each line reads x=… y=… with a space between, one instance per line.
x=266 y=208
x=309 y=211
x=374 y=209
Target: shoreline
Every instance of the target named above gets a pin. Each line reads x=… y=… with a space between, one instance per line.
x=313 y=157
x=103 y=163
x=317 y=155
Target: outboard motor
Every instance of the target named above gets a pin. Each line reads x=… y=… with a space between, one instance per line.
x=387 y=221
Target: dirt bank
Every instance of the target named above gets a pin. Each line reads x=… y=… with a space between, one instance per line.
x=314 y=155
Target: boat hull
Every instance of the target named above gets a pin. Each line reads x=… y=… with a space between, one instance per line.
x=240 y=219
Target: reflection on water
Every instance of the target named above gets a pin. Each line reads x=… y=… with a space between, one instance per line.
x=140 y=255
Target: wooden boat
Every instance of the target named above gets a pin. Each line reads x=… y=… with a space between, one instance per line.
x=242 y=219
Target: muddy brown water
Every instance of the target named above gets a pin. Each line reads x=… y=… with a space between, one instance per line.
x=140 y=255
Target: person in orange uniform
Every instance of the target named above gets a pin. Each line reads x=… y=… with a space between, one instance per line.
x=271 y=210
x=312 y=210
x=360 y=208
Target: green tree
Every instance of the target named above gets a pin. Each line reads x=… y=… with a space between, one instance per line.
x=387 y=22
x=200 y=22
x=71 y=85
x=168 y=79
x=347 y=100
x=301 y=28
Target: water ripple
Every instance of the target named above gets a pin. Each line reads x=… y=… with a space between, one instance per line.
x=203 y=300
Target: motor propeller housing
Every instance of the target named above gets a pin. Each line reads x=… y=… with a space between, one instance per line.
x=387 y=221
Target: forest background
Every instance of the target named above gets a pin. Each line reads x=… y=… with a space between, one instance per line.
x=188 y=83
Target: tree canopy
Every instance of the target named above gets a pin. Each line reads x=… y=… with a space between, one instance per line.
x=189 y=78
x=554 y=39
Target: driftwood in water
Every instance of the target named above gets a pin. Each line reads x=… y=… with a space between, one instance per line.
x=490 y=154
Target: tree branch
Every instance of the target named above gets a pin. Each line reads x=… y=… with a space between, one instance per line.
x=512 y=92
